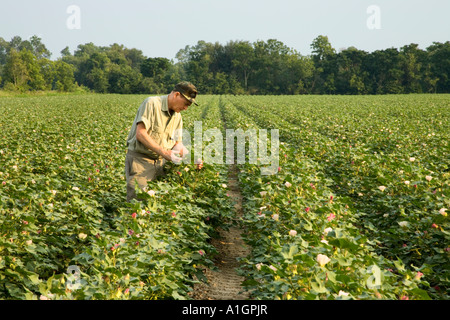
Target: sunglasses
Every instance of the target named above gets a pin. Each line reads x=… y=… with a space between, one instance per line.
x=192 y=96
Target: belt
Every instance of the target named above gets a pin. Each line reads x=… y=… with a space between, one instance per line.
x=141 y=155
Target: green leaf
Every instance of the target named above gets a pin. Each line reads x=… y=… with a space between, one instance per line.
x=399 y=265
x=344 y=262
x=318 y=286
x=344 y=243
x=421 y=294
x=293 y=249
x=34 y=279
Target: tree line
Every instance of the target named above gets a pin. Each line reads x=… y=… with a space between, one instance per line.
x=237 y=67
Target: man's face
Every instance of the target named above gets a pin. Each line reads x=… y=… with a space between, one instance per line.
x=180 y=103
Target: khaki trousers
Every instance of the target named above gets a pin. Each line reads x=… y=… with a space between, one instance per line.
x=140 y=169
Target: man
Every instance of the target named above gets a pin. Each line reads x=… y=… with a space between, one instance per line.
x=151 y=139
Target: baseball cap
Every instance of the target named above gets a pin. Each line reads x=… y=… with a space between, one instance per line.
x=188 y=90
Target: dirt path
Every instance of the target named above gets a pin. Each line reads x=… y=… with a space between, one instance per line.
x=224 y=283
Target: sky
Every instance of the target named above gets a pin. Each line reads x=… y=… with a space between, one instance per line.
x=160 y=28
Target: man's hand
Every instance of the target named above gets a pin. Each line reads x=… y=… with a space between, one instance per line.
x=170 y=155
x=180 y=149
x=149 y=143
x=199 y=163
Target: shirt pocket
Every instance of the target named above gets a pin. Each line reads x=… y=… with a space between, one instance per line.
x=156 y=133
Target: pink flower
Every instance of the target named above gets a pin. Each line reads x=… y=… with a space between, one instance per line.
x=404 y=298
x=307 y=209
x=133 y=215
x=174 y=214
x=331 y=216
x=4 y=183
x=201 y=252
x=292 y=233
x=418 y=275
x=434 y=225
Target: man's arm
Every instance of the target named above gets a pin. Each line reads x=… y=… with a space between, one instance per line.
x=143 y=137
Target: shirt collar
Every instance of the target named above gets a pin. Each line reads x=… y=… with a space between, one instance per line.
x=165 y=105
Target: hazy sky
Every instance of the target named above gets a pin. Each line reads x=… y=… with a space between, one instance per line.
x=161 y=28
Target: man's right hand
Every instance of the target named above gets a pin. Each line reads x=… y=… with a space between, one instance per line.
x=169 y=155
x=149 y=143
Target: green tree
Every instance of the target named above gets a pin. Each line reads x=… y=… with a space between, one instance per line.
x=196 y=61
x=322 y=49
x=36 y=79
x=271 y=60
x=15 y=70
x=39 y=49
x=64 y=76
x=411 y=64
x=134 y=57
x=242 y=60
x=324 y=57
x=4 y=50
x=152 y=67
x=123 y=79
x=93 y=71
x=439 y=65
x=65 y=52
x=350 y=75
x=384 y=71
x=97 y=80
x=48 y=71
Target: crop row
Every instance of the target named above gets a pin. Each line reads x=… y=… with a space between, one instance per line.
x=402 y=230
x=356 y=210
x=66 y=231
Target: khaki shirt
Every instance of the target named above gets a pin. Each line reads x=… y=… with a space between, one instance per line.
x=160 y=124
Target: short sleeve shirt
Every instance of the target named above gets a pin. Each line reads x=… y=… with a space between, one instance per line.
x=161 y=125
